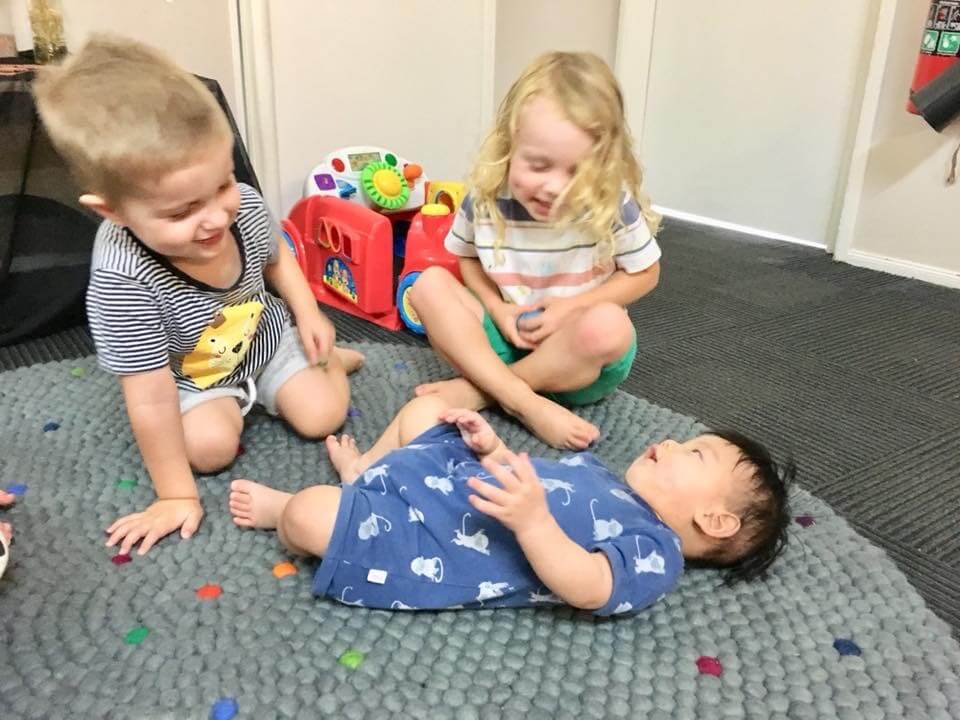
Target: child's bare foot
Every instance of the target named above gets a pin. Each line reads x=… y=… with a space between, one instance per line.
x=345 y=456
x=6 y=529
x=553 y=423
x=458 y=392
x=255 y=505
x=352 y=360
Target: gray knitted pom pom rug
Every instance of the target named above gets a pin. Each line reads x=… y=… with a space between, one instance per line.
x=205 y=628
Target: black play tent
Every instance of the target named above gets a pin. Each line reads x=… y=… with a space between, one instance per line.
x=45 y=235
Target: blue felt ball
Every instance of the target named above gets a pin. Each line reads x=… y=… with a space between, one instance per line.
x=224 y=709
x=846 y=647
x=528 y=314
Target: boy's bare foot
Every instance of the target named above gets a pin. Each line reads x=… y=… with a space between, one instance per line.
x=553 y=423
x=345 y=456
x=352 y=360
x=458 y=392
x=6 y=529
x=255 y=505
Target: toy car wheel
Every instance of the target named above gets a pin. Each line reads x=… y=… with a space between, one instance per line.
x=407 y=313
x=290 y=243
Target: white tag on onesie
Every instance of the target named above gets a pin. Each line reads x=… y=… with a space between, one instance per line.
x=377 y=576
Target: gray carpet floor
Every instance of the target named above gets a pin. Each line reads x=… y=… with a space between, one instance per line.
x=835 y=631
x=852 y=372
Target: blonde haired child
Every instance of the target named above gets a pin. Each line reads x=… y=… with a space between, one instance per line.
x=177 y=301
x=554 y=239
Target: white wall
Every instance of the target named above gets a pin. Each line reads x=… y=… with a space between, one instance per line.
x=528 y=28
x=6 y=17
x=751 y=107
x=311 y=90
x=200 y=36
x=16 y=20
x=902 y=216
x=407 y=76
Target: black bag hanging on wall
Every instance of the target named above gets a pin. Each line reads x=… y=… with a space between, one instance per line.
x=46 y=236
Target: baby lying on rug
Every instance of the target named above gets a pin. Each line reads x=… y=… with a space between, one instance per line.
x=439 y=513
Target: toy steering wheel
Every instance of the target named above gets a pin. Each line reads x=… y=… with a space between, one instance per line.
x=385 y=185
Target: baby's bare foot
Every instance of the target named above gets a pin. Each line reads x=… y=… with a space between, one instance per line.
x=345 y=456
x=458 y=392
x=255 y=505
x=554 y=424
x=352 y=360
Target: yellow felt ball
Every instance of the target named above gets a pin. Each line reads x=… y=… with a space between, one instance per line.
x=387 y=182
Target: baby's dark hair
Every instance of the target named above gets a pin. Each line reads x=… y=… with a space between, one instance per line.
x=763 y=511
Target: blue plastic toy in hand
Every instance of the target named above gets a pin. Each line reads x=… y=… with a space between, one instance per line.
x=528 y=314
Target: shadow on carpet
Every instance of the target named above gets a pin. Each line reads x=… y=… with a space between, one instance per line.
x=205 y=626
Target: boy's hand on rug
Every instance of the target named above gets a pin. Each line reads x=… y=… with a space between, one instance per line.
x=521 y=502
x=534 y=330
x=474 y=429
x=317 y=335
x=505 y=318
x=156 y=522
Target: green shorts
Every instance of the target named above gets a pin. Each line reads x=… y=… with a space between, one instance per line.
x=610 y=378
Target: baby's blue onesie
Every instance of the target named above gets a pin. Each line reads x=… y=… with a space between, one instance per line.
x=406 y=537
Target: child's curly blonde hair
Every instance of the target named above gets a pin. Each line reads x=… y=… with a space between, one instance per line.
x=585 y=90
x=121 y=113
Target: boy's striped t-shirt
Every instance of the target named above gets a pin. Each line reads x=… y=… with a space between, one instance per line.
x=538 y=259
x=146 y=314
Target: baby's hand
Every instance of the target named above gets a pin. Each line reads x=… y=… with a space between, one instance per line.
x=156 y=522
x=520 y=502
x=475 y=431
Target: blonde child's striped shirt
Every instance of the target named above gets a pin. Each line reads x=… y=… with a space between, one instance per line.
x=537 y=259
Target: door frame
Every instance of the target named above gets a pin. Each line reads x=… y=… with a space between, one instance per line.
x=633 y=58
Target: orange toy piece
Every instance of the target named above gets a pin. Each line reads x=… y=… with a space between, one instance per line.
x=210 y=591
x=411 y=171
x=283 y=569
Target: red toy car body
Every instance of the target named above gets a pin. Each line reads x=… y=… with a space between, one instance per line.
x=346 y=252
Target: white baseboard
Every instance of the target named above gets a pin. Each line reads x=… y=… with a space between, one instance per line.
x=904 y=268
x=703 y=220
x=871 y=261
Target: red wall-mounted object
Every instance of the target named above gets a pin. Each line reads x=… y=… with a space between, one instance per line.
x=939 y=46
